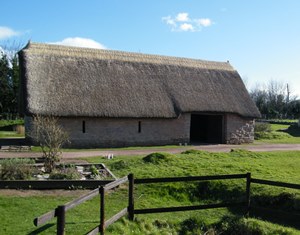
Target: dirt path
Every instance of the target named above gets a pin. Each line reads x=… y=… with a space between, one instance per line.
x=68 y=156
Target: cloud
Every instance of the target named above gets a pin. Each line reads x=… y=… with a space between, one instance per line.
x=183 y=23
x=80 y=42
x=186 y=27
x=204 y=22
x=6 y=32
x=182 y=17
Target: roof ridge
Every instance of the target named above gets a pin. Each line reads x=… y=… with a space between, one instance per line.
x=71 y=51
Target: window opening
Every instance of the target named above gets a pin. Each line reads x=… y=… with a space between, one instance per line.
x=140 y=127
x=83 y=126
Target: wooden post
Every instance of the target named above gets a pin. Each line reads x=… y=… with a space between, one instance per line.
x=130 y=197
x=61 y=220
x=248 y=183
x=102 y=210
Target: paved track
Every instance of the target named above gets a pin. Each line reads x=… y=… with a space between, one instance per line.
x=132 y=152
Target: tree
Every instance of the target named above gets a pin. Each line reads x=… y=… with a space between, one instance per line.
x=274 y=100
x=9 y=79
x=46 y=132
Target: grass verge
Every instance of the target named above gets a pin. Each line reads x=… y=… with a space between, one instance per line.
x=17 y=212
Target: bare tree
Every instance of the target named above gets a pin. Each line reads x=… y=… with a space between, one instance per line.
x=50 y=136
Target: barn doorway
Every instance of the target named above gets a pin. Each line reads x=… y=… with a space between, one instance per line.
x=206 y=129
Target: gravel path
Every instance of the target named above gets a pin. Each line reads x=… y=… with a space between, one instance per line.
x=132 y=152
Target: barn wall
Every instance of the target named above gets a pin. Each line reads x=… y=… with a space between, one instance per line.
x=238 y=130
x=125 y=132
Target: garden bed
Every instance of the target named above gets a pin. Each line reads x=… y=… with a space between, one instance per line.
x=18 y=174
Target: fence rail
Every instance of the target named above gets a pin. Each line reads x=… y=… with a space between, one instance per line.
x=189 y=178
x=275 y=183
x=60 y=211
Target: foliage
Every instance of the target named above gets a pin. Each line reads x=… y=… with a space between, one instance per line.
x=50 y=137
x=9 y=84
x=262 y=127
x=68 y=173
x=280 y=133
x=15 y=169
x=5 y=123
x=275 y=101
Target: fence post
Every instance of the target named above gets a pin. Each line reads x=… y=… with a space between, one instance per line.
x=130 y=197
x=248 y=183
x=61 y=220
x=102 y=210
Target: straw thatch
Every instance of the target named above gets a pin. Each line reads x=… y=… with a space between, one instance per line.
x=69 y=81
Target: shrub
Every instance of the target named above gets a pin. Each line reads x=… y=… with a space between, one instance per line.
x=47 y=132
x=262 y=127
x=15 y=169
x=157 y=158
x=65 y=174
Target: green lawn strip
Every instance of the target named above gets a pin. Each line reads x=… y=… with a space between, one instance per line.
x=4 y=123
x=278 y=166
x=9 y=134
x=281 y=134
x=38 y=149
x=17 y=213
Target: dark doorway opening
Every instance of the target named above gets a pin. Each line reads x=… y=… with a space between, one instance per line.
x=206 y=128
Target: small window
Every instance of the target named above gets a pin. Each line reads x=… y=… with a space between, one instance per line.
x=83 y=126
x=140 y=127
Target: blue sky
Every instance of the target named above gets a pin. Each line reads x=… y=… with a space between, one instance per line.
x=260 y=38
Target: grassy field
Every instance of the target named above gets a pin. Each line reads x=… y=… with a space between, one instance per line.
x=17 y=212
x=281 y=134
x=4 y=126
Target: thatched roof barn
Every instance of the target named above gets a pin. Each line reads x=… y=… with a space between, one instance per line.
x=104 y=85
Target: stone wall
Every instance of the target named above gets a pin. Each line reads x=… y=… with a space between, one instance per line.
x=238 y=130
x=105 y=132
x=100 y=132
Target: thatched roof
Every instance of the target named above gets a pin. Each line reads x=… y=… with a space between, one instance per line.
x=71 y=81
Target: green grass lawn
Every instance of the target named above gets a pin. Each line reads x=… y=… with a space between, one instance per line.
x=10 y=134
x=281 y=134
x=18 y=212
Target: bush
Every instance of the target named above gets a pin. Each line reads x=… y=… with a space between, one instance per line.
x=262 y=127
x=16 y=169
x=65 y=174
x=157 y=158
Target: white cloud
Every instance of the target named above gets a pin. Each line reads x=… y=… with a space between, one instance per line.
x=80 y=42
x=183 y=23
x=169 y=20
x=6 y=32
x=186 y=27
x=204 y=22
x=182 y=17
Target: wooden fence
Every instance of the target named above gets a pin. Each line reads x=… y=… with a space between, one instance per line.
x=130 y=210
